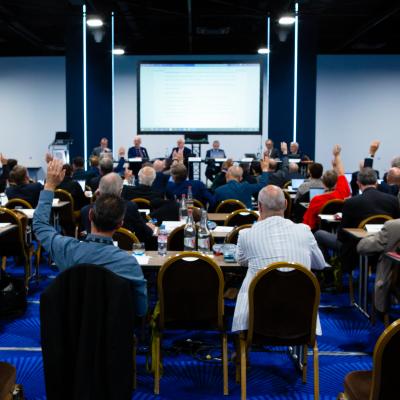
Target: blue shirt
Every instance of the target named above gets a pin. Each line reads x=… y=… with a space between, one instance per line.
x=99 y=250
x=241 y=191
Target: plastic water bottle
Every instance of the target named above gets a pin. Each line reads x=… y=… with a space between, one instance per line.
x=183 y=209
x=162 y=240
x=189 y=233
x=204 y=235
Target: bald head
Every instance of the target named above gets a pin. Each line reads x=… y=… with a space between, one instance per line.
x=234 y=173
x=158 y=165
x=293 y=168
x=147 y=176
x=272 y=166
x=111 y=184
x=271 y=202
x=393 y=176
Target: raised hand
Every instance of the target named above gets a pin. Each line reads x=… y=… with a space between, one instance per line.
x=55 y=174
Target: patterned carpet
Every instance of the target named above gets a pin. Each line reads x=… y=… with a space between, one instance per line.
x=346 y=345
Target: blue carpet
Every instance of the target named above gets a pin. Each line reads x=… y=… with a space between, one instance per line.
x=272 y=374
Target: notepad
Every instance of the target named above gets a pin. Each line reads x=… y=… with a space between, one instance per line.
x=373 y=228
x=142 y=260
x=223 y=229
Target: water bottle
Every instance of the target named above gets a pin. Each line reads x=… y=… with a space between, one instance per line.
x=189 y=233
x=204 y=235
x=183 y=209
x=189 y=201
x=162 y=241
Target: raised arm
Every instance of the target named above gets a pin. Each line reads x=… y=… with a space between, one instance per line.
x=337 y=160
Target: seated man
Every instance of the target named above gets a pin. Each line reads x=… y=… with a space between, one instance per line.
x=137 y=151
x=273 y=238
x=74 y=188
x=314 y=181
x=78 y=168
x=103 y=148
x=296 y=153
x=270 y=151
x=161 y=181
x=105 y=217
x=180 y=185
x=356 y=209
x=106 y=166
x=212 y=167
x=294 y=172
x=21 y=187
x=220 y=178
x=242 y=191
x=385 y=240
x=279 y=176
x=133 y=221
x=336 y=187
x=146 y=175
x=7 y=165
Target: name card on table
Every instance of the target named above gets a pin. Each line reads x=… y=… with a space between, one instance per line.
x=247 y=159
x=220 y=160
x=294 y=160
x=135 y=159
x=194 y=159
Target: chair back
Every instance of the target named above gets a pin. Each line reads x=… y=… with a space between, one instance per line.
x=190 y=289
x=125 y=238
x=86 y=318
x=288 y=211
x=233 y=236
x=241 y=217
x=230 y=205
x=332 y=207
x=386 y=358
x=283 y=305
x=287 y=184
x=66 y=213
x=142 y=202
x=198 y=204
x=374 y=219
x=17 y=203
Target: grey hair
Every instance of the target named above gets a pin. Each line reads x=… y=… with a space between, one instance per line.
x=367 y=176
x=272 y=198
x=111 y=184
x=106 y=164
x=147 y=175
x=294 y=143
x=396 y=162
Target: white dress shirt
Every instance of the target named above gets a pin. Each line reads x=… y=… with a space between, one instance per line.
x=271 y=240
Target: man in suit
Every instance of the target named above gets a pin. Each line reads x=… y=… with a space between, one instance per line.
x=273 y=238
x=74 y=188
x=212 y=167
x=296 y=153
x=106 y=166
x=270 y=151
x=103 y=148
x=180 y=185
x=111 y=183
x=161 y=181
x=21 y=187
x=276 y=176
x=137 y=151
x=388 y=239
x=7 y=166
x=355 y=210
x=242 y=191
x=146 y=175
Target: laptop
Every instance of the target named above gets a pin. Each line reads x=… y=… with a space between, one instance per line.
x=315 y=192
x=296 y=183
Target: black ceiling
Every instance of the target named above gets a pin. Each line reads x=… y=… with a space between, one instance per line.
x=38 y=27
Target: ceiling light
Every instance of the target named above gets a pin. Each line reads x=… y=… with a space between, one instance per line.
x=118 y=52
x=94 y=22
x=287 y=20
x=263 y=50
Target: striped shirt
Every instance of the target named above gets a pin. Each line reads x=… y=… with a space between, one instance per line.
x=272 y=240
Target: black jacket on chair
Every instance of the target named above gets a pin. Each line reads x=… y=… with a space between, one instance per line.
x=87 y=317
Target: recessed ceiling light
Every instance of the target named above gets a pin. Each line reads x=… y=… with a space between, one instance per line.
x=287 y=20
x=94 y=22
x=119 y=52
x=263 y=50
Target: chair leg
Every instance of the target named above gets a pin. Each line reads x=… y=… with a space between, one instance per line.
x=134 y=362
x=3 y=263
x=157 y=365
x=225 y=362
x=351 y=288
x=316 y=371
x=305 y=358
x=243 y=366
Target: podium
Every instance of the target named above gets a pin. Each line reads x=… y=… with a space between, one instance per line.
x=59 y=148
x=196 y=140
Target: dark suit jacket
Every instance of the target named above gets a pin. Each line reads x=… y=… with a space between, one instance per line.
x=275 y=153
x=160 y=183
x=133 y=221
x=186 y=154
x=134 y=152
x=146 y=192
x=82 y=326
x=76 y=191
x=355 y=210
x=27 y=191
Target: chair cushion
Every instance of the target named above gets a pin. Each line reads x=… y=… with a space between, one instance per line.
x=7 y=380
x=357 y=385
